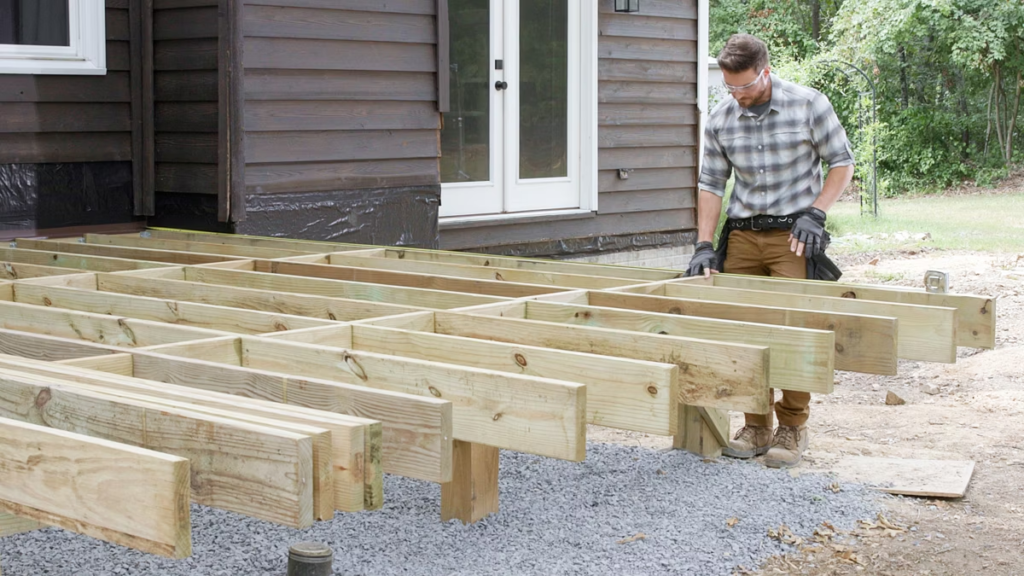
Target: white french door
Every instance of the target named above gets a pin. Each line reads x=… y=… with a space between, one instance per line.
x=511 y=142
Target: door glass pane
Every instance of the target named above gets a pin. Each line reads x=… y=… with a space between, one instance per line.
x=35 y=22
x=543 y=88
x=466 y=137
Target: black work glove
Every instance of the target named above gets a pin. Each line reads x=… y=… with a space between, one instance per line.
x=809 y=229
x=704 y=258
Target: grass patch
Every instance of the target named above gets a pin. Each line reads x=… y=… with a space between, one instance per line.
x=985 y=223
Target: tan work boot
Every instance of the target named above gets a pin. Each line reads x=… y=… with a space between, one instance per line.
x=750 y=441
x=788 y=447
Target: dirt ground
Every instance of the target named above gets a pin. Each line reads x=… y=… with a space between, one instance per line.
x=977 y=414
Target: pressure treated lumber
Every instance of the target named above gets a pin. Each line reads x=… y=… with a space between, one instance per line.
x=162 y=310
x=99 y=328
x=312 y=306
x=18 y=271
x=49 y=348
x=621 y=392
x=711 y=374
x=76 y=262
x=472 y=495
x=695 y=434
x=250 y=469
x=976 y=315
x=96 y=487
x=862 y=343
x=189 y=246
x=417 y=431
x=418 y=297
x=356 y=443
x=322 y=476
x=801 y=359
x=311 y=246
x=522 y=413
x=11 y=524
x=405 y=279
x=120 y=364
x=167 y=256
x=354 y=260
x=926 y=333
x=635 y=275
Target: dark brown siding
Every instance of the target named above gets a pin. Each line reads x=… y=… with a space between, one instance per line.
x=340 y=95
x=66 y=141
x=185 y=93
x=647 y=123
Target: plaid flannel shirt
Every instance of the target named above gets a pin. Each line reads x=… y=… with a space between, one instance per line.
x=776 y=157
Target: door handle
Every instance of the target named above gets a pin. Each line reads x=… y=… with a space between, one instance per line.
x=500 y=85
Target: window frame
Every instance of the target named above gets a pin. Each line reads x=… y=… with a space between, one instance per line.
x=86 y=54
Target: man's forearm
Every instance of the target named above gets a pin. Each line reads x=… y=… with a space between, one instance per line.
x=709 y=209
x=837 y=181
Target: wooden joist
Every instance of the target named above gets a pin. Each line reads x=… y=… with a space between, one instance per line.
x=926 y=333
x=800 y=359
x=862 y=343
x=310 y=246
x=405 y=279
x=355 y=260
x=976 y=315
x=418 y=297
x=99 y=328
x=96 y=487
x=172 y=312
x=417 y=440
x=189 y=246
x=522 y=413
x=355 y=442
x=75 y=262
x=246 y=468
x=711 y=374
x=152 y=255
x=308 y=305
x=621 y=392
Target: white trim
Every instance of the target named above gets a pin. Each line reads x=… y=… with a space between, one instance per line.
x=456 y=221
x=588 y=108
x=87 y=53
x=505 y=195
x=703 y=23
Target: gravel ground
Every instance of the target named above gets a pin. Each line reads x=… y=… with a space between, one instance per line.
x=556 y=518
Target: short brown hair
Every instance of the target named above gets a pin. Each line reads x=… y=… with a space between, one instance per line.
x=743 y=52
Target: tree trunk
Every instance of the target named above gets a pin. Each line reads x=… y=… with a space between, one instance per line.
x=1012 y=120
x=965 y=135
x=988 y=116
x=816 y=20
x=904 y=85
x=998 y=119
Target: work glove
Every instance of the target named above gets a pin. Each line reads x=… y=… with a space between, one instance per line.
x=808 y=233
x=704 y=260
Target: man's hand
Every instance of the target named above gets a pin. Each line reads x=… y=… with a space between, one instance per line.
x=806 y=237
x=704 y=260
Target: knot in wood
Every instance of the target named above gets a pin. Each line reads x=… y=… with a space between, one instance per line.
x=354 y=366
x=434 y=391
x=850 y=294
x=43 y=397
x=47 y=301
x=497 y=417
x=675 y=310
x=652 y=390
x=521 y=360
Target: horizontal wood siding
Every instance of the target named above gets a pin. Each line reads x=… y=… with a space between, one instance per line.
x=647 y=125
x=340 y=95
x=185 y=95
x=50 y=119
x=647 y=111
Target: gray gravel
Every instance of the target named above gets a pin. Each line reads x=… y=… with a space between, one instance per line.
x=556 y=518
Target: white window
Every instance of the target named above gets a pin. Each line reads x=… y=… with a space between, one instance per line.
x=52 y=37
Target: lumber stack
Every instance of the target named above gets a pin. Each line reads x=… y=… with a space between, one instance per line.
x=281 y=378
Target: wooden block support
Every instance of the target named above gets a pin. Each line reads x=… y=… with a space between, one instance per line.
x=472 y=495
x=96 y=487
x=695 y=435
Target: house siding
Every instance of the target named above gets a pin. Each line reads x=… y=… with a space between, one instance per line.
x=647 y=124
x=66 y=142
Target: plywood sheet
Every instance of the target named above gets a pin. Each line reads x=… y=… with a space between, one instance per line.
x=936 y=478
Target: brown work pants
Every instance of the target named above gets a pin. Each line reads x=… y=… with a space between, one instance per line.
x=767 y=253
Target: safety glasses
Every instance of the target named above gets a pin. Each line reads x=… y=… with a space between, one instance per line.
x=731 y=88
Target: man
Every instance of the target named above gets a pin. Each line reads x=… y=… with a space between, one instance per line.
x=772 y=135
